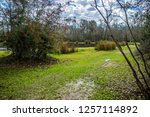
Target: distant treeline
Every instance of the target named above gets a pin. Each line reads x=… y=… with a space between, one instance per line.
x=90 y=31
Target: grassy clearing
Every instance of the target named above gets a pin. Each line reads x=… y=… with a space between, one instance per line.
x=46 y=82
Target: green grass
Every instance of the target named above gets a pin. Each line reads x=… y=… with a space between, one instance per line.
x=45 y=82
x=4 y=53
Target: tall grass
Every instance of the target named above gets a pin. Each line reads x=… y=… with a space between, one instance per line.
x=105 y=45
x=65 y=48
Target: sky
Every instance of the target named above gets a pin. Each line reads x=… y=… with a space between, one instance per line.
x=81 y=9
x=4 y=4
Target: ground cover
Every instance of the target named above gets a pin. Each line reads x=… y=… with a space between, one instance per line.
x=86 y=74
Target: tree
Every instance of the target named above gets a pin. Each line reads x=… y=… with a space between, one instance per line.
x=31 y=41
x=142 y=80
x=84 y=28
x=92 y=29
x=29 y=27
x=145 y=42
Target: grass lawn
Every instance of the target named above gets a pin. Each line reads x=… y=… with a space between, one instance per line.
x=104 y=71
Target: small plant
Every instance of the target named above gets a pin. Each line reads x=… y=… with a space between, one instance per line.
x=105 y=45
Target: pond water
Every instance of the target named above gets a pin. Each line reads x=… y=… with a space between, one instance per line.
x=3 y=48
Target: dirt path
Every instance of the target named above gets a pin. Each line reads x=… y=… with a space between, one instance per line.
x=80 y=89
x=83 y=88
x=110 y=63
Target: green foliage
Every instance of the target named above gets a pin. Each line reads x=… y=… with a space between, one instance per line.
x=105 y=45
x=31 y=41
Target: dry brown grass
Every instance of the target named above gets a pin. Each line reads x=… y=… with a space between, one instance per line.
x=105 y=45
x=65 y=48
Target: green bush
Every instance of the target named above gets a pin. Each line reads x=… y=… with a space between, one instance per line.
x=30 y=41
x=105 y=45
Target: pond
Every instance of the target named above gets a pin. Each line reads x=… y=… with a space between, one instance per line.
x=1 y=48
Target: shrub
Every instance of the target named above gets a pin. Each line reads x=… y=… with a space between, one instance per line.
x=65 y=48
x=105 y=45
x=30 y=41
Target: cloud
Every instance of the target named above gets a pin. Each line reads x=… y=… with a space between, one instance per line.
x=84 y=10
x=81 y=10
x=82 y=2
x=91 y=9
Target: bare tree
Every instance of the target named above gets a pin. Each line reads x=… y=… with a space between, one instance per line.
x=108 y=15
x=125 y=8
x=141 y=80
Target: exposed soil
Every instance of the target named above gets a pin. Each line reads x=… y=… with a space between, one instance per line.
x=80 y=89
x=109 y=63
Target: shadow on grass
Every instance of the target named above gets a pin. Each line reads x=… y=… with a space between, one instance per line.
x=17 y=75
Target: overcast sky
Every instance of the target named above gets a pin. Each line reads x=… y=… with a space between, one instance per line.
x=81 y=9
